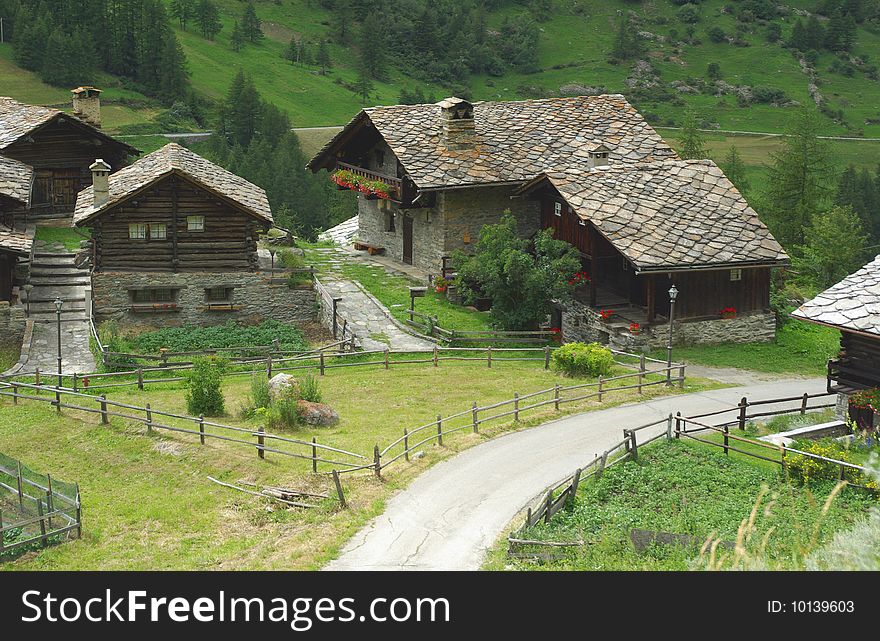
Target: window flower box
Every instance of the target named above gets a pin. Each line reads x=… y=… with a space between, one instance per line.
x=371 y=189
x=728 y=313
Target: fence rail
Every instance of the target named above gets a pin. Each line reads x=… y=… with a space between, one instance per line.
x=430 y=326
x=34 y=508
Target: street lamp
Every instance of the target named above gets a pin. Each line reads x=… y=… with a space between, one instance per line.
x=58 y=304
x=673 y=294
x=28 y=288
x=272 y=256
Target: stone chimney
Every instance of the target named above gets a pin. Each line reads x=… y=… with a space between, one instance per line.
x=598 y=156
x=100 y=182
x=459 y=131
x=87 y=105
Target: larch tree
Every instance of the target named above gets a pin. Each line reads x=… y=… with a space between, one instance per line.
x=691 y=145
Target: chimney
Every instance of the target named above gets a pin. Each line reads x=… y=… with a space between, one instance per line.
x=100 y=182
x=459 y=131
x=598 y=156
x=87 y=105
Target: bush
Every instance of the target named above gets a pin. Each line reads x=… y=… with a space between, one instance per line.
x=309 y=389
x=203 y=395
x=582 y=359
x=283 y=410
x=260 y=391
x=191 y=338
x=807 y=470
x=689 y=14
x=717 y=35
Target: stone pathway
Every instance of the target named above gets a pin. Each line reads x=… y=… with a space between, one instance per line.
x=370 y=320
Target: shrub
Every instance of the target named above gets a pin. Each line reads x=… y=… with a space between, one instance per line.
x=283 y=410
x=203 y=395
x=309 y=389
x=190 y=338
x=807 y=470
x=689 y=14
x=582 y=359
x=717 y=35
x=260 y=391
x=714 y=71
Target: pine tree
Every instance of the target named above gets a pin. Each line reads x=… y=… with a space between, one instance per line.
x=798 y=39
x=627 y=43
x=183 y=10
x=236 y=40
x=364 y=85
x=834 y=247
x=251 y=25
x=798 y=186
x=208 y=18
x=373 y=47
x=173 y=80
x=735 y=169
x=340 y=21
x=291 y=51
x=241 y=111
x=814 y=34
x=691 y=144
x=30 y=40
x=323 y=58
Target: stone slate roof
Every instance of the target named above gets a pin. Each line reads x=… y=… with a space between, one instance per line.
x=13 y=241
x=18 y=119
x=670 y=214
x=853 y=303
x=515 y=141
x=173 y=158
x=16 y=179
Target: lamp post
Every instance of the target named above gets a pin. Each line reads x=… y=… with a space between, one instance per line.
x=58 y=304
x=673 y=294
x=272 y=256
x=28 y=288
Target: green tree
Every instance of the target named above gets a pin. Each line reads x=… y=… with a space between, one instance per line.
x=798 y=39
x=251 y=25
x=363 y=86
x=522 y=277
x=835 y=247
x=291 y=51
x=183 y=10
x=30 y=40
x=691 y=145
x=240 y=111
x=373 y=46
x=627 y=42
x=735 y=169
x=713 y=70
x=323 y=58
x=207 y=15
x=798 y=185
x=236 y=40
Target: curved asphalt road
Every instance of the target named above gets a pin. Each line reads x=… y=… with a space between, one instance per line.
x=450 y=515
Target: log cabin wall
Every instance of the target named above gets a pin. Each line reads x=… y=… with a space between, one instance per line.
x=7 y=271
x=862 y=354
x=703 y=294
x=227 y=243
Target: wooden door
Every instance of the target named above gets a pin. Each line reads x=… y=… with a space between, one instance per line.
x=66 y=183
x=408 y=240
x=7 y=265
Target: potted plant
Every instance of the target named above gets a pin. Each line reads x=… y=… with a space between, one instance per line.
x=635 y=329
x=440 y=284
x=728 y=313
x=556 y=334
x=580 y=279
x=606 y=314
x=863 y=407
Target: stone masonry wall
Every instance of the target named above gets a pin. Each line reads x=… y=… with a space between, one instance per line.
x=428 y=232
x=12 y=324
x=581 y=323
x=258 y=299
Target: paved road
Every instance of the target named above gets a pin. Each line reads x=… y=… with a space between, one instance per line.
x=450 y=515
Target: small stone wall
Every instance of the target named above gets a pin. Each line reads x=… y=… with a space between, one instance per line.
x=253 y=299
x=12 y=324
x=581 y=323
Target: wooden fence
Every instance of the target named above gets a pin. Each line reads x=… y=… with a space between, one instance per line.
x=330 y=314
x=430 y=326
x=563 y=494
x=39 y=510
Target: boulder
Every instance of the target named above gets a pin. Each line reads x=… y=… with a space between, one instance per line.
x=317 y=413
x=281 y=385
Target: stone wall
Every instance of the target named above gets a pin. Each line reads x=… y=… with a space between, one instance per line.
x=12 y=324
x=581 y=323
x=253 y=299
x=428 y=231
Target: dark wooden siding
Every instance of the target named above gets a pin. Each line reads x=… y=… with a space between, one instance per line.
x=705 y=293
x=228 y=243
x=7 y=269
x=859 y=364
x=566 y=227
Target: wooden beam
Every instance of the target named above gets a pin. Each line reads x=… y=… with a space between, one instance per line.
x=175 y=260
x=650 y=295
x=594 y=264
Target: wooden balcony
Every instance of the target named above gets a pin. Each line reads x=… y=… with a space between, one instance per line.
x=395 y=183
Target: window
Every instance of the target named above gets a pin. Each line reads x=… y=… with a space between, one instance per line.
x=195 y=223
x=218 y=294
x=379 y=155
x=157 y=295
x=736 y=274
x=137 y=231
x=389 y=221
x=157 y=231
x=557 y=209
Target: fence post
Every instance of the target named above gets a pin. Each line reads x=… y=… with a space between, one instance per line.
x=321 y=360
x=20 y=493
x=556 y=396
x=529 y=517
x=476 y=421
x=677 y=424
x=50 y=502
x=546 y=357
x=633 y=445
x=406 y=444
x=669 y=426
x=75 y=382
x=1 y=530
x=575 y=481
x=602 y=462
x=386 y=358
x=641 y=371
x=489 y=356
x=377 y=462
x=149 y=419
x=315 y=454
x=335 y=326
x=14 y=394
x=261 y=452
x=202 y=429
x=743 y=404
x=681 y=377
x=435 y=356
x=37 y=377
x=338 y=488
x=600 y=388
x=42 y=522
x=439 y=430
x=269 y=366
x=547 y=503
x=79 y=522
x=726 y=441
x=140 y=373
x=104 y=418
x=804 y=403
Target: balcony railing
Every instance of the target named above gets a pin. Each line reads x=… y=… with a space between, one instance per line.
x=395 y=183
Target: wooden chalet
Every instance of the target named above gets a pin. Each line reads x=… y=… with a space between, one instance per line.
x=59 y=147
x=853 y=307
x=642 y=228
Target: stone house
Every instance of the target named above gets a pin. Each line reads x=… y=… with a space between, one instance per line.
x=174 y=241
x=644 y=227
x=453 y=166
x=59 y=147
x=16 y=179
x=853 y=307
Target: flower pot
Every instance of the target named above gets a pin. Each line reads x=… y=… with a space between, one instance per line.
x=440 y=289
x=728 y=316
x=483 y=304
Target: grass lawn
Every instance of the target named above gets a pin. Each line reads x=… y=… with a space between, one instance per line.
x=69 y=237
x=147 y=503
x=9 y=356
x=800 y=348
x=687 y=488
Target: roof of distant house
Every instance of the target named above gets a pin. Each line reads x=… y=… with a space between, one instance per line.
x=16 y=179
x=674 y=214
x=513 y=141
x=175 y=159
x=18 y=119
x=852 y=304
x=16 y=242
